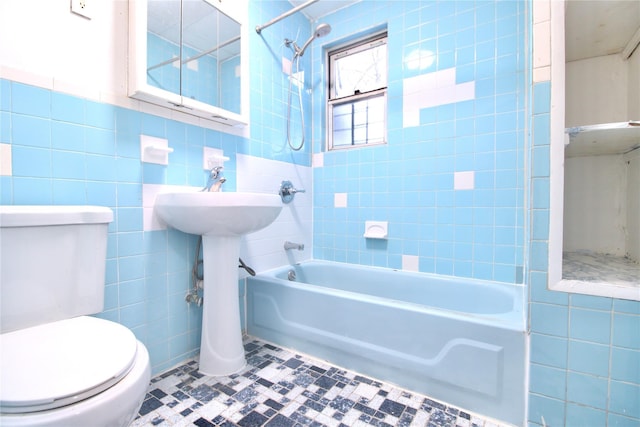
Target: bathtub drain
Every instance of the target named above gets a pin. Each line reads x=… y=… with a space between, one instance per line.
x=292 y=275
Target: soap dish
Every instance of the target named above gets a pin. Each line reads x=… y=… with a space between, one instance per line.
x=376 y=229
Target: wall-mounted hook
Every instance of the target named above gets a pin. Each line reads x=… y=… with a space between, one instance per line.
x=288 y=191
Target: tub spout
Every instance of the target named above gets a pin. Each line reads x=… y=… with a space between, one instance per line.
x=290 y=245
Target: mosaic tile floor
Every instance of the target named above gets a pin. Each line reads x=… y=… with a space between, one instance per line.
x=280 y=388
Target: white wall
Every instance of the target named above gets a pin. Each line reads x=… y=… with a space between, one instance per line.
x=601 y=192
x=62 y=51
x=597 y=91
x=633 y=205
x=264 y=249
x=634 y=85
x=605 y=89
x=551 y=38
x=595 y=209
x=633 y=177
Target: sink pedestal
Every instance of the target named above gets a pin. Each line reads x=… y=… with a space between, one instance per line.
x=222 y=219
x=221 y=349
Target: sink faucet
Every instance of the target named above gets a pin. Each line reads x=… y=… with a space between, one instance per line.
x=214 y=184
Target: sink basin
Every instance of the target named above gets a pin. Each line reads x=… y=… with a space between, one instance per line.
x=220 y=214
x=221 y=219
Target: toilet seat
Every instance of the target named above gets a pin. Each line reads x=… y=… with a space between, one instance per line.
x=61 y=363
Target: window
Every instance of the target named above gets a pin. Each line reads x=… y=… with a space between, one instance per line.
x=357 y=104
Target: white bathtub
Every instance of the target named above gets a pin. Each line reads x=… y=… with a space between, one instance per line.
x=461 y=341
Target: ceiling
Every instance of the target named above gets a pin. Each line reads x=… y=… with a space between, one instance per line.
x=593 y=27
x=322 y=8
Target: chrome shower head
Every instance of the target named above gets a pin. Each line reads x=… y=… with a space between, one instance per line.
x=321 y=31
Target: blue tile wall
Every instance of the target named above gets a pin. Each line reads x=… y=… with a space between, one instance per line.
x=409 y=182
x=269 y=85
x=584 y=350
x=69 y=150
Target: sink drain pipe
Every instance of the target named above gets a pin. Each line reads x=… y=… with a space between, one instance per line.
x=193 y=295
x=197 y=278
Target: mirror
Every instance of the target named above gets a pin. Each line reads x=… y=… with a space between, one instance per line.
x=188 y=57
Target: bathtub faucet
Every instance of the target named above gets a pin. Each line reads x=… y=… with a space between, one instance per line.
x=214 y=184
x=288 y=191
x=290 y=245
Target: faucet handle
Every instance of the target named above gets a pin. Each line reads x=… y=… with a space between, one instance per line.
x=215 y=171
x=287 y=191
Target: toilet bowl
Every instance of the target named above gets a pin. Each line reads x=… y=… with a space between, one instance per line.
x=83 y=371
x=59 y=366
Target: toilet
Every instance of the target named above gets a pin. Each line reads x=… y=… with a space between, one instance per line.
x=58 y=365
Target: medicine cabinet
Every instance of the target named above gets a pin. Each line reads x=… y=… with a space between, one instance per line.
x=190 y=56
x=594 y=239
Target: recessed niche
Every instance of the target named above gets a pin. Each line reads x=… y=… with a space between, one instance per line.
x=594 y=243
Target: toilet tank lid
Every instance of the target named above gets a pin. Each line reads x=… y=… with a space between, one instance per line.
x=33 y=215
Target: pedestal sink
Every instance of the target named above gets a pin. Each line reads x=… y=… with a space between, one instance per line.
x=221 y=219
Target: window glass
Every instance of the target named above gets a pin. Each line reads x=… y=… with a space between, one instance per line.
x=357 y=101
x=361 y=71
x=359 y=122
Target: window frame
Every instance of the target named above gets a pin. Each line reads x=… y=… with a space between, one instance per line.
x=350 y=48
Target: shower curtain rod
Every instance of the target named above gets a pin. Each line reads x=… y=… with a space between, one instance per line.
x=259 y=28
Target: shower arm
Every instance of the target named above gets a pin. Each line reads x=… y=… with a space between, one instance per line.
x=304 y=46
x=259 y=28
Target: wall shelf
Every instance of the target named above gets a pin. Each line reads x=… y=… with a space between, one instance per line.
x=600 y=274
x=589 y=266
x=588 y=270
x=607 y=138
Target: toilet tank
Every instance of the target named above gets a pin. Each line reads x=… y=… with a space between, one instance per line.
x=52 y=263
